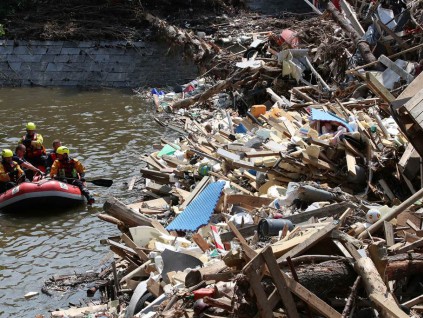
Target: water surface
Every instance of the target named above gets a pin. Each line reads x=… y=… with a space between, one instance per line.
x=107 y=131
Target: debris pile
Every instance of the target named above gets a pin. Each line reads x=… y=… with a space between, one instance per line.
x=293 y=185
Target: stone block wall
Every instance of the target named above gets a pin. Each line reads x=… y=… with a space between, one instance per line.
x=91 y=64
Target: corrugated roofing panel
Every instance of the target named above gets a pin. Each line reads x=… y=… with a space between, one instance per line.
x=199 y=211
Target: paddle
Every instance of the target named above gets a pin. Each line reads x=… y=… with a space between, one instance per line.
x=98 y=182
x=101 y=182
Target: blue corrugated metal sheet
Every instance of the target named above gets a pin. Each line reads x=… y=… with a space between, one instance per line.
x=199 y=211
x=317 y=114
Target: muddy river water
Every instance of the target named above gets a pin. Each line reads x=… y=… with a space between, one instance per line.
x=107 y=130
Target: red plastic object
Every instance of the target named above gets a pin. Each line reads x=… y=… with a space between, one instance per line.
x=289 y=37
x=203 y=292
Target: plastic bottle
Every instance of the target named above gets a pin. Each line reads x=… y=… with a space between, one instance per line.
x=353 y=123
x=158 y=261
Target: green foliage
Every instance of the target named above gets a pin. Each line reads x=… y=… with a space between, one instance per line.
x=2 y=33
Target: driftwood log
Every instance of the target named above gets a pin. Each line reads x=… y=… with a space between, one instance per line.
x=362 y=45
x=340 y=276
x=124 y=214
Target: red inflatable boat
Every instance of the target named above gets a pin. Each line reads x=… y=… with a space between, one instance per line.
x=41 y=195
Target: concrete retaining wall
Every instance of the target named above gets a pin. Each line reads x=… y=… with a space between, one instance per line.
x=91 y=64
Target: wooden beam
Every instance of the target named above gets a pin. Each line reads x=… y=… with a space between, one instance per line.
x=280 y=282
x=327 y=211
x=415 y=301
x=261 y=298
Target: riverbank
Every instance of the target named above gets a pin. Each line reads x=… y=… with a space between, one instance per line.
x=292 y=184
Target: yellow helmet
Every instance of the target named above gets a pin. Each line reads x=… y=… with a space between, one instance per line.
x=7 y=153
x=62 y=150
x=30 y=126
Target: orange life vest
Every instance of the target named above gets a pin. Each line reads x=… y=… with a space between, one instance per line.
x=11 y=167
x=67 y=169
x=31 y=151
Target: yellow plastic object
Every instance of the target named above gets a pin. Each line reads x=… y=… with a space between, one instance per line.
x=258 y=110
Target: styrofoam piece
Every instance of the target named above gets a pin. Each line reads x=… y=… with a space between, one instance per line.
x=142 y=235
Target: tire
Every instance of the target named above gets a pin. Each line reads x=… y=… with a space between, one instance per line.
x=147 y=297
x=250 y=53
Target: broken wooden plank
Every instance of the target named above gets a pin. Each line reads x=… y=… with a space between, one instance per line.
x=351 y=163
x=201 y=242
x=415 y=228
x=378 y=88
x=261 y=154
x=280 y=282
x=320 y=164
x=128 y=216
x=387 y=190
x=409 y=247
x=389 y=233
x=134 y=246
x=247 y=230
x=309 y=242
x=245 y=247
x=412 y=302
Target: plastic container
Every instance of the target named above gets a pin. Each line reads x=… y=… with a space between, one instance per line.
x=258 y=110
x=271 y=227
x=203 y=170
x=240 y=129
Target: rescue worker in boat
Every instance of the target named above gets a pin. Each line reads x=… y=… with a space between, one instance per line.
x=52 y=156
x=35 y=151
x=19 y=158
x=10 y=172
x=70 y=170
